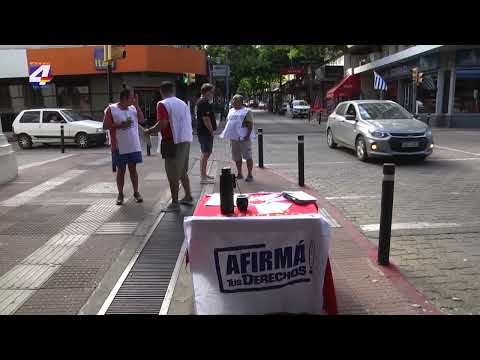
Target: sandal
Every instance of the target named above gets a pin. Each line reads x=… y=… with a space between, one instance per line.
x=138 y=197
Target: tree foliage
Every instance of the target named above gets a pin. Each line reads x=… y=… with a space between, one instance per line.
x=255 y=67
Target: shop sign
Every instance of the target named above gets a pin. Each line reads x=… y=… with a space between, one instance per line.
x=398 y=71
x=40 y=73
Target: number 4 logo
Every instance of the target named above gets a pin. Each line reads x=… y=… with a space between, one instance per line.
x=44 y=78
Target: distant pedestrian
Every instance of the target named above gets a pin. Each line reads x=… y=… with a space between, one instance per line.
x=239 y=130
x=175 y=123
x=206 y=127
x=122 y=120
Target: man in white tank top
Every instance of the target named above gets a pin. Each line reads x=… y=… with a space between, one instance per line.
x=122 y=120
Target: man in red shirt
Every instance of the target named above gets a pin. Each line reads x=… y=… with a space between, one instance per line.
x=175 y=151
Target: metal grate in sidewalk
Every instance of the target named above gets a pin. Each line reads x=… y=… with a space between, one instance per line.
x=145 y=286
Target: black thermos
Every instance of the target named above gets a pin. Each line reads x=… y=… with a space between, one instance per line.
x=227 y=183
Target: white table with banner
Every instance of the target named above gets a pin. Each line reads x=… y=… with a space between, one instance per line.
x=259 y=262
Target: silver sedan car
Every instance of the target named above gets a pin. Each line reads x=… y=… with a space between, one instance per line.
x=378 y=128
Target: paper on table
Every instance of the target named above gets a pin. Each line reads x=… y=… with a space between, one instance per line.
x=214 y=200
x=268 y=197
x=272 y=208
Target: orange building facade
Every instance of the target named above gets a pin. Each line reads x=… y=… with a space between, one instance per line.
x=79 y=77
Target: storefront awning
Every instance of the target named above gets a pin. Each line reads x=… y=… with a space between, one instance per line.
x=345 y=88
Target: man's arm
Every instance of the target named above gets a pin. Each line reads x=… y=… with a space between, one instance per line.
x=162 y=120
x=249 y=121
x=140 y=116
x=208 y=124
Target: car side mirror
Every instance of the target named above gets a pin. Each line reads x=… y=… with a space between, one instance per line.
x=350 y=117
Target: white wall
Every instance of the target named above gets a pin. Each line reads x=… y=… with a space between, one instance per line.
x=13 y=64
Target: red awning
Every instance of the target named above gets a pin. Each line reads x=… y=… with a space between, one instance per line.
x=345 y=88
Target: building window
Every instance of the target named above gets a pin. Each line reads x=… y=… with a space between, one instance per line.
x=74 y=97
x=467 y=95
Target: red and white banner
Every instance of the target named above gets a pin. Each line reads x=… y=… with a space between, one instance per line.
x=258 y=264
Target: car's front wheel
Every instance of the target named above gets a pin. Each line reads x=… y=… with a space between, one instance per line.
x=82 y=140
x=24 y=141
x=361 y=149
x=330 y=141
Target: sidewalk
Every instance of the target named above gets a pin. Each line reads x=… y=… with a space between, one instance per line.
x=63 y=241
x=362 y=286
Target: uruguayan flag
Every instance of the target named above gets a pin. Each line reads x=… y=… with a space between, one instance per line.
x=378 y=82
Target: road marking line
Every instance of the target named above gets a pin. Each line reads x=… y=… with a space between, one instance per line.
x=457 y=150
x=352 y=197
x=408 y=226
x=28 y=166
x=459 y=159
x=314 y=163
x=27 y=195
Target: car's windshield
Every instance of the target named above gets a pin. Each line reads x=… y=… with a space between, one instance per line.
x=299 y=103
x=383 y=111
x=73 y=116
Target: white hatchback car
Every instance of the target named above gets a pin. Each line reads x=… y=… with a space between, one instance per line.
x=43 y=126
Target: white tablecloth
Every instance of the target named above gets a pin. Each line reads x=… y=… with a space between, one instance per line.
x=258 y=265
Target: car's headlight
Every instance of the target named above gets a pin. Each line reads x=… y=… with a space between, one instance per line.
x=379 y=134
x=99 y=130
x=428 y=132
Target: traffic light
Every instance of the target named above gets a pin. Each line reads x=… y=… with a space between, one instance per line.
x=420 y=78
x=414 y=74
x=114 y=52
x=185 y=79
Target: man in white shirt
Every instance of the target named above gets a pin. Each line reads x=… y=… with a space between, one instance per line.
x=122 y=120
x=175 y=123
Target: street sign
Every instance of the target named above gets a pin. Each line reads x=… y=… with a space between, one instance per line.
x=219 y=70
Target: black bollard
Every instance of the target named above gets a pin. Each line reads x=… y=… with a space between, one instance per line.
x=301 y=161
x=62 y=138
x=386 y=214
x=148 y=150
x=260 y=148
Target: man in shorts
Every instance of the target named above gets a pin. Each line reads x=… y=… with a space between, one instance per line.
x=122 y=119
x=206 y=126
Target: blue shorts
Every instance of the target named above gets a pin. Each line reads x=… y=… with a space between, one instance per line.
x=121 y=160
x=206 y=143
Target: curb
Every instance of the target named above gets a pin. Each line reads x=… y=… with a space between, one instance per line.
x=391 y=272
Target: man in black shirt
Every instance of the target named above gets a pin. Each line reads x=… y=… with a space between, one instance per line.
x=206 y=126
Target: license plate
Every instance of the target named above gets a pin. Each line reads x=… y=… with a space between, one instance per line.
x=410 y=144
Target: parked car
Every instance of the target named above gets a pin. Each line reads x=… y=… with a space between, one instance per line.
x=299 y=108
x=43 y=126
x=252 y=104
x=378 y=128
x=262 y=105
x=283 y=108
